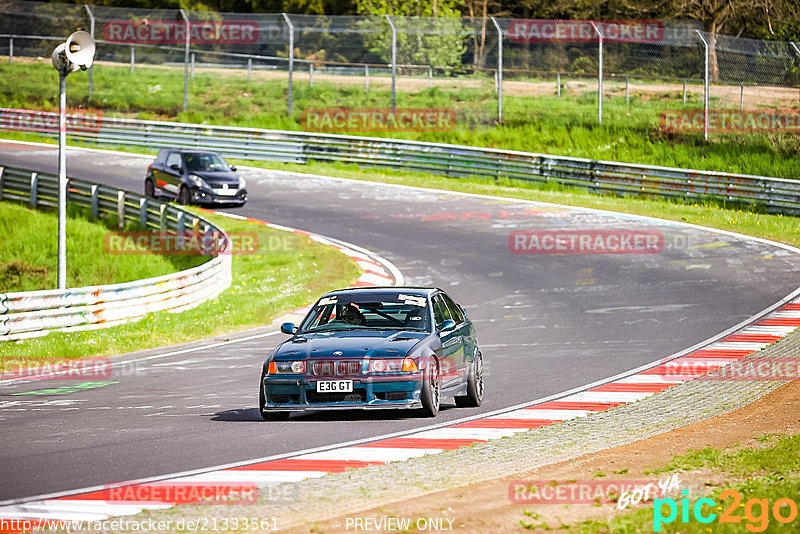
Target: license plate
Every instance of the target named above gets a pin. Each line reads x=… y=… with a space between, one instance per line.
x=335 y=386
x=225 y=192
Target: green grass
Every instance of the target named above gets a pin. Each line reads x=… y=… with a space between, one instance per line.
x=29 y=254
x=544 y=124
x=289 y=271
x=770 y=472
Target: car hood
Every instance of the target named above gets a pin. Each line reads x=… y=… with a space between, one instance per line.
x=351 y=344
x=213 y=178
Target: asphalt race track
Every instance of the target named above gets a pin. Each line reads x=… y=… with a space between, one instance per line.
x=546 y=323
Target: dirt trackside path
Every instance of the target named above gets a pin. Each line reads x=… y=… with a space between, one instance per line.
x=486 y=507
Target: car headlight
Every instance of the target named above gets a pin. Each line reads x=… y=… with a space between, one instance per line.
x=393 y=365
x=242 y=183
x=285 y=367
x=199 y=182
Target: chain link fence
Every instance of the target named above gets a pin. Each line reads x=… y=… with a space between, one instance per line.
x=591 y=60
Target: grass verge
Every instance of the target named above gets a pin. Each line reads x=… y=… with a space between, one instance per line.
x=758 y=493
x=29 y=255
x=288 y=271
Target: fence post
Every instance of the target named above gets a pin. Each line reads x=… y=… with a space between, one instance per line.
x=186 y=60
x=741 y=97
x=627 y=89
x=91 y=32
x=180 y=230
x=684 y=91
x=34 y=189
x=162 y=217
x=191 y=76
x=705 y=87
x=430 y=76
x=11 y=50
x=495 y=80
x=143 y=212
x=291 y=58
x=499 y=70
x=95 y=202
x=394 y=59
x=121 y=209
x=310 y=75
x=249 y=69
x=366 y=78
x=2 y=170
x=133 y=57
x=558 y=84
x=599 y=73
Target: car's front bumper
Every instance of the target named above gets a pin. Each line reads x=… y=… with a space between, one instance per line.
x=209 y=196
x=299 y=393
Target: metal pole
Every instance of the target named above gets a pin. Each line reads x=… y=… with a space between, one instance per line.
x=11 y=50
x=627 y=89
x=133 y=57
x=186 y=61
x=558 y=84
x=366 y=78
x=291 y=58
x=91 y=32
x=705 y=87
x=249 y=69
x=499 y=70
x=599 y=74
x=62 y=179
x=394 y=59
x=684 y=91
x=310 y=75
x=191 y=76
x=741 y=97
x=430 y=77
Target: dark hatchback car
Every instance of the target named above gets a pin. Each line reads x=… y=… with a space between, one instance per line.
x=194 y=177
x=382 y=347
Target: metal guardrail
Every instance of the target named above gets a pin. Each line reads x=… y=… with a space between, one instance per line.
x=775 y=195
x=36 y=313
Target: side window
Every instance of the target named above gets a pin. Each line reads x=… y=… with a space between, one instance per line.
x=440 y=311
x=455 y=312
x=162 y=156
x=173 y=159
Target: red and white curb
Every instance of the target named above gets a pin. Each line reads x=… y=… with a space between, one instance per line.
x=133 y=498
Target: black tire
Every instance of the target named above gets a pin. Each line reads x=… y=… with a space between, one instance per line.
x=474 y=395
x=184 y=196
x=149 y=189
x=431 y=390
x=268 y=415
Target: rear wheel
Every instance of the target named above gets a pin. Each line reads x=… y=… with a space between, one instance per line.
x=268 y=415
x=149 y=189
x=431 y=390
x=474 y=395
x=184 y=196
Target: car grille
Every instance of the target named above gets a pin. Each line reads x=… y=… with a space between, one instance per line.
x=336 y=368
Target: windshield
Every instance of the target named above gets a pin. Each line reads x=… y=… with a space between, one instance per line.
x=205 y=162
x=368 y=312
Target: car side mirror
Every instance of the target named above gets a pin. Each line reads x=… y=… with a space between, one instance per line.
x=233 y=168
x=448 y=325
x=288 y=328
x=175 y=167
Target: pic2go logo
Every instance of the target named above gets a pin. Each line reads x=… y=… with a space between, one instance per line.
x=756 y=511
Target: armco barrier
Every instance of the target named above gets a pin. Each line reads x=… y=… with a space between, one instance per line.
x=775 y=195
x=36 y=313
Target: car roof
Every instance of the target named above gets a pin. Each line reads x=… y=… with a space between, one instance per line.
x=416 y=290
x=189 y=151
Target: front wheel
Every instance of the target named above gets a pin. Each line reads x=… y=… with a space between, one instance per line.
x=474 y=395
x=184 y=196
x=431 y=390
x=268 y=415
x=149 y=189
